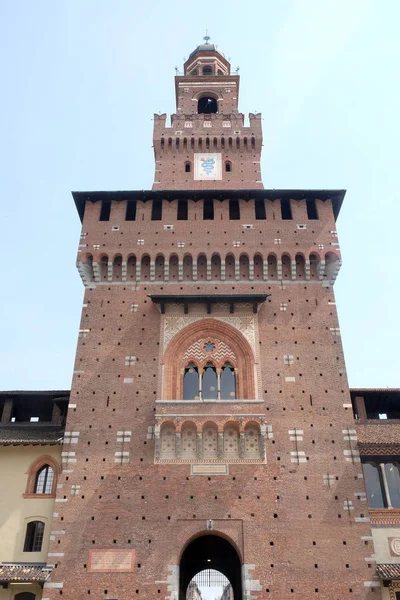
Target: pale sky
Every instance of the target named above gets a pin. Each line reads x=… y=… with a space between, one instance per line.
x=80 y=83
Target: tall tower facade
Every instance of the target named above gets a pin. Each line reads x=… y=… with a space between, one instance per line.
x=207 y=145
x=210 y=410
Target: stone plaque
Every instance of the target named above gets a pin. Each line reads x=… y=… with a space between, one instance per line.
x=207 y=166
x=209 y=469
x=394 y=546
x=111 y=561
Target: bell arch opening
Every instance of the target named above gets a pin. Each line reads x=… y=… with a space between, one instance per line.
x=210 y=553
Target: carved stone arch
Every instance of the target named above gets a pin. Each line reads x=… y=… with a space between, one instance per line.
x=213 y=328
x=189 y=439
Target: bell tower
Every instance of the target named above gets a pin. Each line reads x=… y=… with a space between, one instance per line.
x=207 y=145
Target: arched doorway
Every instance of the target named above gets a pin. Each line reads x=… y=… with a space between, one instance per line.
x=210 y=552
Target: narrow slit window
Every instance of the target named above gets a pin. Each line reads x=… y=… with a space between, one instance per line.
x=228 y=166
x=187 y=167
x=182 y=210
x=234 y=210
x=130 y=214
x=156 y=211
x=261 y=214
x=105 y=211
x=312 y=212
x=208 y=209
x=286 y=210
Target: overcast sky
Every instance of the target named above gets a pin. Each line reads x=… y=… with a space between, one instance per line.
x=80 y=82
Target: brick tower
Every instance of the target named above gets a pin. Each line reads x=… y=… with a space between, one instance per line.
x=210 y=422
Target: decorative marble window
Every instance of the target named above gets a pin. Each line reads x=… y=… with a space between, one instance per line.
x=210 y=441
x=231 y=441
x=168 y=441
x=252 y=441
x=189 y=442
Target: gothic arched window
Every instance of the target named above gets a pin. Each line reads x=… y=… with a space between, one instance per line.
x=191 y=382
x=209 y=382
x=227 y=382
x=44 y=480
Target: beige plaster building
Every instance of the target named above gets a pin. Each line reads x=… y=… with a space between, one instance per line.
x=31 y=432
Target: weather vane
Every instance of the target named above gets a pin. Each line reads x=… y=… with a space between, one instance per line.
x=206 y=37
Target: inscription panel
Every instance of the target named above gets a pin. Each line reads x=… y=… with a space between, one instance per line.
x=111 y=561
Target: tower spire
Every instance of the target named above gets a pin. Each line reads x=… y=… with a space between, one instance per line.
x=206 y=38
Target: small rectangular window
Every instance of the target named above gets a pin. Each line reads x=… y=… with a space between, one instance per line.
x=156 y=211
x=34 y=536
x=130 y=214
x=260 y=210
x=182 y=210
x=312 y=212
x=208 y=209
x=286 y=210
x=105 y=211
x=234 y=210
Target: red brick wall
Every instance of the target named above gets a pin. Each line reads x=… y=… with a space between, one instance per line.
x=281 y=515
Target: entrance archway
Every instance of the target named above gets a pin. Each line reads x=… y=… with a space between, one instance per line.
x=210 y=552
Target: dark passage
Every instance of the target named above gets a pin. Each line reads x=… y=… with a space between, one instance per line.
x=210 y=552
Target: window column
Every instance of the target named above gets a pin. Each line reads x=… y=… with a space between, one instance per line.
x=385 y=485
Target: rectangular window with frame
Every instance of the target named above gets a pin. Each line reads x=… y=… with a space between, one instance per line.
x=382 y=481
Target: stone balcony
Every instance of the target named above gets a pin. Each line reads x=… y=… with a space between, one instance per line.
x=210 y=432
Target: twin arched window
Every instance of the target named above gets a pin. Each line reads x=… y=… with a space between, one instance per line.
x=213 y=384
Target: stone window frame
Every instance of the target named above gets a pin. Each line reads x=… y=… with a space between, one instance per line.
x=32 y=473
x=174 y=362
